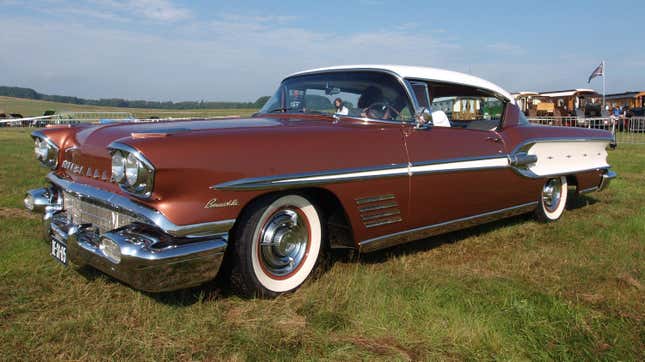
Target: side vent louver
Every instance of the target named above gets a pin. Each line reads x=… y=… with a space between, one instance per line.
x=379 y=210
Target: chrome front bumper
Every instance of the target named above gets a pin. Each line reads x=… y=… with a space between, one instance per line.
x=141 y=254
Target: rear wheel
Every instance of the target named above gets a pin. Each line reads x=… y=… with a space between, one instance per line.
x=276 y=246
x=553 y=199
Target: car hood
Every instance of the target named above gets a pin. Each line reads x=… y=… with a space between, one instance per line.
x=161 y=142
x=102 y=135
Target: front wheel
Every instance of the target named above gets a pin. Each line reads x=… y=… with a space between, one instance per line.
x=276 y=246
x=553 y=199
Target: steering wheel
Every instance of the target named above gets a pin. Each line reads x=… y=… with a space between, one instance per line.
x=381 y=110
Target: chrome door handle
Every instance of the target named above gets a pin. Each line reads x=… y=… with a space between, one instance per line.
x=494 y=139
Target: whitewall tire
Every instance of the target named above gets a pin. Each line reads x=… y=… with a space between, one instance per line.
x=553 y=199
x=276 y=246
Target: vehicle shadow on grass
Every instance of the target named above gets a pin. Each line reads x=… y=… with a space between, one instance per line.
x=212 y=290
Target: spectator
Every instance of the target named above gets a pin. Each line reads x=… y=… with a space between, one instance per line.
x=340 y=107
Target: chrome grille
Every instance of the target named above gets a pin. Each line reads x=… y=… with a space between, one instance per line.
x=82 y=212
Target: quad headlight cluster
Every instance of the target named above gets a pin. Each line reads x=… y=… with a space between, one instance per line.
x=133 y=172
x=46 y=151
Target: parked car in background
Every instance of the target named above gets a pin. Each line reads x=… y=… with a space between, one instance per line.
x=166 y=205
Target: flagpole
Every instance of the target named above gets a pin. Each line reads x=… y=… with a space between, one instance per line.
x=604 y=70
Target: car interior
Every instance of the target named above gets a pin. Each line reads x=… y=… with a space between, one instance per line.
x=458 y=106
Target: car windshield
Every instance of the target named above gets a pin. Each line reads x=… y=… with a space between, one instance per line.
x=362 y=94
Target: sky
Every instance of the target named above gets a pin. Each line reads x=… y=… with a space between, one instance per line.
x=240 y=50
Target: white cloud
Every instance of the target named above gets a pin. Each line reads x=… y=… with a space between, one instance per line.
x=234 y=56
x=118 y=10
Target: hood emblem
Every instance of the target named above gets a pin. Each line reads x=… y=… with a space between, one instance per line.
x=213 y=204
x=72 y=167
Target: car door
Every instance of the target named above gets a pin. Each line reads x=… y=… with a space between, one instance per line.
x=455 y=173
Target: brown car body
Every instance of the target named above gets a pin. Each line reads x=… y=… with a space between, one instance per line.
x=210 y=170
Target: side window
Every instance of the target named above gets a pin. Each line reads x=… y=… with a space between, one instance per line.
x=467 y=107
x=421 y=93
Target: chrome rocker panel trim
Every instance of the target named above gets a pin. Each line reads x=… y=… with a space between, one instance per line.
x=148 y=215
x=406 y=236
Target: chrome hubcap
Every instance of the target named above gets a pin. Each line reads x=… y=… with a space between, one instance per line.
x=551 y=194
x=283 y=243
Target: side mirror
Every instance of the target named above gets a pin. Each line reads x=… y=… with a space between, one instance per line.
x=423 y=118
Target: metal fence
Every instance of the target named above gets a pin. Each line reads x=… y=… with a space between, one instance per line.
x=91 y=117
x=630 y=130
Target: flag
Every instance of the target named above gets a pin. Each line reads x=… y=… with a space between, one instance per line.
x=598 y=72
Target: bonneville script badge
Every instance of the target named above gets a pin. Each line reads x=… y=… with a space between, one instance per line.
x=213 y=203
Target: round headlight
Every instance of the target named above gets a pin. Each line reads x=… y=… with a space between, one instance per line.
x=118 y=166
x=41 y=149
x=131 y=169
x=46 y=152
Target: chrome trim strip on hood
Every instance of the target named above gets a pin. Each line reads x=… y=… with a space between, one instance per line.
x=149 y=216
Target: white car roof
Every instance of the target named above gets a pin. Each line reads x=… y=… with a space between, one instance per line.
x=422 y=73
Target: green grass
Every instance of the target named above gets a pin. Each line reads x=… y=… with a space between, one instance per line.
x=511 y=290
x=31 y=107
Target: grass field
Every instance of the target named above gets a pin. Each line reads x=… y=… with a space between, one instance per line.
x=30 y=107
x=511 y=290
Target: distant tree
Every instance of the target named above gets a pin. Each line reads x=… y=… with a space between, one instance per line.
x=260 y=102
x=29 y=93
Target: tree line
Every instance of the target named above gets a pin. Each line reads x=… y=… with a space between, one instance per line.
x=28 y=93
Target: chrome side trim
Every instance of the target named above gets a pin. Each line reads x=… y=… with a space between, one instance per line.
x=558 y=139
x=359 y=174
x=313 y=178
x=461 y=164
x=401 y=237
x=148 y=215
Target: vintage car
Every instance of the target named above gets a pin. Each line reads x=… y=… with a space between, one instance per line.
x=351 y=157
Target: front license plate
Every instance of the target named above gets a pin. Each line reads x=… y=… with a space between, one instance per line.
x=59 y=251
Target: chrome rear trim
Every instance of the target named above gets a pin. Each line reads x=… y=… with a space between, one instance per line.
x=147 y=215
x=402 y=237
x=606 y=179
